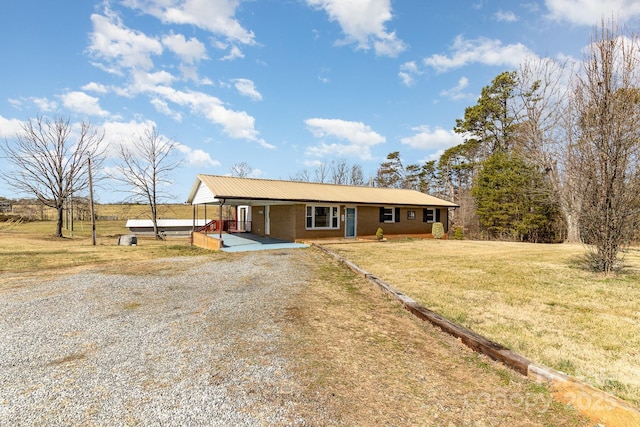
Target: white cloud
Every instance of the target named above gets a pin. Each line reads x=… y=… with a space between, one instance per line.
x=437 y=139
x=236 y=124
x=363 y=23
x=247 y=88
x=216 y=16
x=190 y=51
x=10 y=128
x=505 y=16
x=80 y=102
x=197 y=158
x=234 y=53
x=359 y=137
x=162 y=107
x=408 y=72
x=118 y=133
x=119 y=46
x=95 y=87
x=456 y=93
x=45 y=104
x=591 y=12
x=482 y=50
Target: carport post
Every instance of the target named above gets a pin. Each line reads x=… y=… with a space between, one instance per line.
x=221 y=227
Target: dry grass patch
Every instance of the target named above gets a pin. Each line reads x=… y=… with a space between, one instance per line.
x=531 y=298
x=371 y=363
x=30 y=249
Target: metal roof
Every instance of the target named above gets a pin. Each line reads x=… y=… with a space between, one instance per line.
x=234 y=190
x=166 y=222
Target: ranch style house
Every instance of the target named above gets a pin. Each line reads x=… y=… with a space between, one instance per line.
x=299 y=211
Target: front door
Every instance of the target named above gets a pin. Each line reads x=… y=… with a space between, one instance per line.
x=242 y=218
x=350 y=222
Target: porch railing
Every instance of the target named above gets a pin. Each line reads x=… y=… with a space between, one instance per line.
x=229 y=225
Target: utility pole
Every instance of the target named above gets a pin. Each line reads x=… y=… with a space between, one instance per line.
x=93 y=216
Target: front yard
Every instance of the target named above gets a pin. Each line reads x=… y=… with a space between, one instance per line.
x=531 y=298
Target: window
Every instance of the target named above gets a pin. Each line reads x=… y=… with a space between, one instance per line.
x=322 y=217
x=411 y=214
x=430 y=215
x=388 y=215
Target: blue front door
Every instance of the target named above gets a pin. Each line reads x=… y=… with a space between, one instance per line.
x=350 y=223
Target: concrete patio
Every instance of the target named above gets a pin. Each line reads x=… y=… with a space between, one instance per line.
x=244 y=242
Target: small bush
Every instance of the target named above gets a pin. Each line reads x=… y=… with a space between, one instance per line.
x=379 y=233
x=437 y=230
x=458 y=234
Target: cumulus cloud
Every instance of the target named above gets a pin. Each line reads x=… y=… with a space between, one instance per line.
x=117 y=133
x=591 y=12
x=482 y=50
x=190 y=51
x=505 y=16
x=437 y=139
x=45 y=104
x=120 y=47
x=358 y=137
x=80 y=102
x=10 y=128
x=408 y=72
x=247 y=88
x=216 y=16
x=457 y=93
x=162 y=107
x=197 y=158
x=363 y=23
x=95 y=87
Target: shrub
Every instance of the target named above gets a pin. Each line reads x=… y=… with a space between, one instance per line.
x=437 y=230
x=458 y=234
x=379 y=233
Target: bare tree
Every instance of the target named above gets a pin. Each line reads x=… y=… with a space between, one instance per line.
x=607 y=143
x=301 y=176
x=544 y=115
x=241 y=169
x=321 y=173
x=145 y=167
x=356 y=176
x=50 y=160
x=339 y=170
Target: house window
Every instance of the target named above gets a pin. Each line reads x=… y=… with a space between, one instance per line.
x=430 y=215
x=323 y=217
x=411 y=214
x=388 y=215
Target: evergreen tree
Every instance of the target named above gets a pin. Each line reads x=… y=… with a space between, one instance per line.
x=513 y=199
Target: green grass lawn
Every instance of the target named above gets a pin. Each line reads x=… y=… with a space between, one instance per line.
x=533 y=298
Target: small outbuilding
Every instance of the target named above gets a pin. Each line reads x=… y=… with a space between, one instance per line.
x=298 y=211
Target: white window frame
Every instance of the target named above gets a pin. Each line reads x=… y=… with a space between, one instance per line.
x=393 y=213
x=334 y=217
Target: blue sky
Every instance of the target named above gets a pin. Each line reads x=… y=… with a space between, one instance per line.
x=279 y=84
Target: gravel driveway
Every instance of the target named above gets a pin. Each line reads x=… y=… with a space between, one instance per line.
x=201 y=346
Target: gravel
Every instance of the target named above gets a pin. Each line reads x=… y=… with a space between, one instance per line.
x=200 y=347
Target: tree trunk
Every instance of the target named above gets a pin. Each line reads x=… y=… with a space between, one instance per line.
x=60 y=211
x=573 y=229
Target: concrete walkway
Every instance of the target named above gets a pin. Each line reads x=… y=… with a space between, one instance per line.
x=244 y=242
